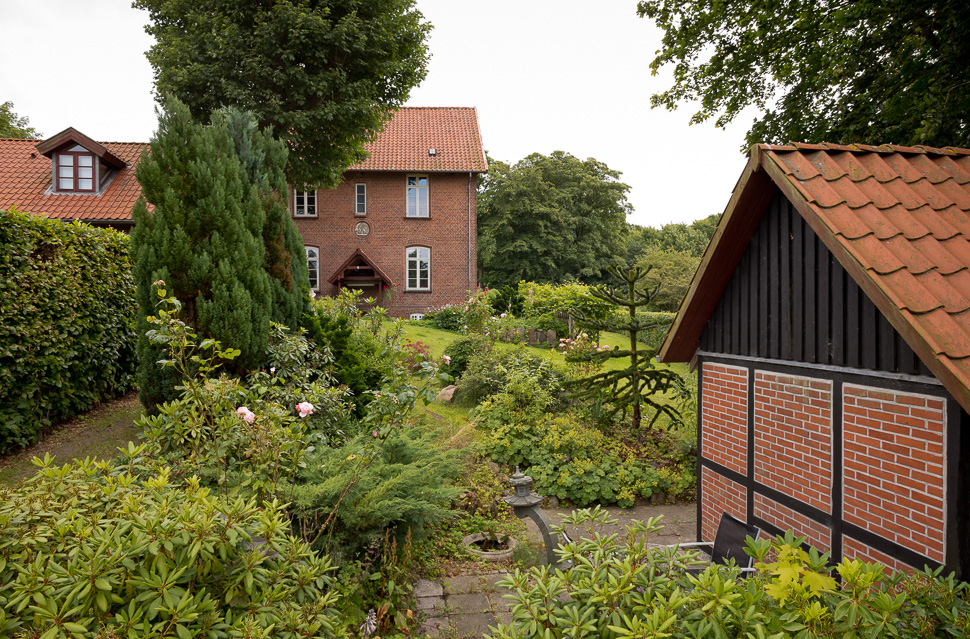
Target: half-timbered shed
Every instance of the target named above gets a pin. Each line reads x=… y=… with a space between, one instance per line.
x=829 y=323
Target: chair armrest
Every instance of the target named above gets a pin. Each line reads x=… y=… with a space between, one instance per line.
x=707 y=546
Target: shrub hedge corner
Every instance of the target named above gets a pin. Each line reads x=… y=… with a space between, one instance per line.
x=67 y=310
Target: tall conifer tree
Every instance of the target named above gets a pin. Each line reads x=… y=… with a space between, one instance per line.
x=216 y=197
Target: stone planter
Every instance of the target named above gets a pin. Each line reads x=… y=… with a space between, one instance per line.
x=489 y=555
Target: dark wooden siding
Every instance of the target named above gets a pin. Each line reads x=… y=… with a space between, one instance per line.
x=789 y=299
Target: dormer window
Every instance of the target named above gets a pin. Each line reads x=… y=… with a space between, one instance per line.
x=75 y=169
x=79 y=164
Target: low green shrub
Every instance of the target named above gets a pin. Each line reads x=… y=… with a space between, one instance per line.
x=113 y=550
x=462 y=350
x=490 y=372
x=67 y=338
x=620 y=587
x=546 y=305
x=447 y=318
x=350 y=495
x=359 y=359
x=508 y=299
x=661 y=322
x=575 y=461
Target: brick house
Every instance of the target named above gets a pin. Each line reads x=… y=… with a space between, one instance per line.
x=405 y=218
x=829 y=323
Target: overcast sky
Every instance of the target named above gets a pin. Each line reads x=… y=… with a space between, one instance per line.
x=545 y=75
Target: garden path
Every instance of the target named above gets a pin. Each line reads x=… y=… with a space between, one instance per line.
x=466 y=605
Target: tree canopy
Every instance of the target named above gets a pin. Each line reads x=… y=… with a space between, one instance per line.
x=550 y=219
x=15 y=126
x=868 y=71
x=324 y=74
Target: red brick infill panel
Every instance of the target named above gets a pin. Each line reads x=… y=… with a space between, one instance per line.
x=853 y=549
x=719 y=495
x=785 y=518
x=793 y=437
x=894 y=466
x=724 y=416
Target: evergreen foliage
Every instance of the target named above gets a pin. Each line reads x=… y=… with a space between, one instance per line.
x=67 y=313
x=214 y=191
x=636 y=385
x=263 y=159
x=113 y=549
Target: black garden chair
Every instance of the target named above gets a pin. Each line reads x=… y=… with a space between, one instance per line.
x=729 y=543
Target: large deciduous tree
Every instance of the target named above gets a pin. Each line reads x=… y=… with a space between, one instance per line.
x=550 y=219
x=324 y=74
x=218 y=236
x=15 y=126
x=868 y=71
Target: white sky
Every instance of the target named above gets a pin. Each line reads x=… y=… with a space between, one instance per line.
x=545 y=75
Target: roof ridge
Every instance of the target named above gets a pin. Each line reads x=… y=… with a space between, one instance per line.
x=857 y=147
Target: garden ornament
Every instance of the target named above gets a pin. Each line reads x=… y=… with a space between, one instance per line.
x=525 y=503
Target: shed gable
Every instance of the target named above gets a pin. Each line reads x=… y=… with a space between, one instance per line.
x=790 y=299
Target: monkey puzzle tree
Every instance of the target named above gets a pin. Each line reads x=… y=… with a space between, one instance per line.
x=637 y=385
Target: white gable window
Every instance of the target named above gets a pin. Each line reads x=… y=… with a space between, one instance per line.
x=75 y=170
x=419 y=268
x=313 y=264
x=305 y=203
x=417 y=196
x=361 y=201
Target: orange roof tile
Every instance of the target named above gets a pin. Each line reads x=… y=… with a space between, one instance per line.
x=897 y=219
x=404 y=142
x=25 y=179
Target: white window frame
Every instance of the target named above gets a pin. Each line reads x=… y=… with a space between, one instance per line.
x=360 y=199
x=309 y=200
x=417 y=258
x=313 y=265
x=417 y=210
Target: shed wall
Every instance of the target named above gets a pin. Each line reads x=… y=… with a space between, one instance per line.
x=816 y=416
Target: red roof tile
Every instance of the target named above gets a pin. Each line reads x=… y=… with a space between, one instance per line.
x=25 y=180
x=404 y=143
x=898 y=219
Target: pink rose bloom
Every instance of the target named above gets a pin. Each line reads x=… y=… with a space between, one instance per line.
x=374 y=433
x=304 y=408
x=446 y=358
x=246 y=414
x=503 y=315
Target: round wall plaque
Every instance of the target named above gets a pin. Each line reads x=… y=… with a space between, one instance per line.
x=362 y=229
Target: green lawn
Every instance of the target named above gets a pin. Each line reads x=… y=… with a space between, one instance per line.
x=438 y=340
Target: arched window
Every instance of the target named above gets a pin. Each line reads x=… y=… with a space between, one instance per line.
x=313 y=264
x=418 y=268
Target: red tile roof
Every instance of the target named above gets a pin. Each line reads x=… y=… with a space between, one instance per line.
x=25 y=178
x=404 y=143
x=897 y=219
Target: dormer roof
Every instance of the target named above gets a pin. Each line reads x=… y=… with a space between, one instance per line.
x=69 y=136
x=25 y=179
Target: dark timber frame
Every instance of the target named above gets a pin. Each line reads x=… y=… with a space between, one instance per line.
x=791 y=308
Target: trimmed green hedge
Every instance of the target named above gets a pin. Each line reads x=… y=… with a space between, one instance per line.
x=67 y=310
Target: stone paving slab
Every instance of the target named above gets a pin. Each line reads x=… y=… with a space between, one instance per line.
x=466 y=605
